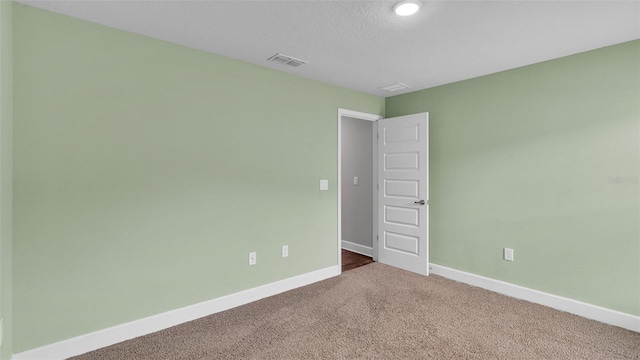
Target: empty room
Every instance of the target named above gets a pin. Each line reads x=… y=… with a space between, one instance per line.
x=319 y=179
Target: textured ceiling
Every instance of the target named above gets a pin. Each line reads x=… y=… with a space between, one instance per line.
x=362 y=45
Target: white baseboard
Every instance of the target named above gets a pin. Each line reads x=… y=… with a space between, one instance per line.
x=357 y=248
x=99 y=339
x=593 y=312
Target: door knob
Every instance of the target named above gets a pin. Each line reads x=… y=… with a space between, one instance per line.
x=421 y=202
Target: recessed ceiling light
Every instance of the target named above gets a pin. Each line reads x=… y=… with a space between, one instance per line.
x=407 y=7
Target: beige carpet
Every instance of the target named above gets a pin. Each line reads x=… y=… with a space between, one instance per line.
x=379 y=312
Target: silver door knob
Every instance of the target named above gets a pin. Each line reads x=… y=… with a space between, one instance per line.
x=421 y=202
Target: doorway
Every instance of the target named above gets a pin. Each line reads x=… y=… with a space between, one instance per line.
x=357 y=169
x=394 y=201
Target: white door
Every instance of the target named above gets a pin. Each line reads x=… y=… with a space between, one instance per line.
x=403 y=194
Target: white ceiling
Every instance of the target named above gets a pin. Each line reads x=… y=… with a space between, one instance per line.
x=362 y=45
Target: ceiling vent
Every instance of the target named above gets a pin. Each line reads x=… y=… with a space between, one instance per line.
x=287 y=60
x=394 y=87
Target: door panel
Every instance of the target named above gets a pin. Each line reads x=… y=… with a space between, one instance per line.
x=401 y=188
x=403 y=178
x=403 y=243
x=401 y=216
x=401 y=161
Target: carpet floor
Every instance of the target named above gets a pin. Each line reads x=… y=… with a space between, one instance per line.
x=380 y=312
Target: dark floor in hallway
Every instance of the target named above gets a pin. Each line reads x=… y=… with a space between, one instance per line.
x=351 y=260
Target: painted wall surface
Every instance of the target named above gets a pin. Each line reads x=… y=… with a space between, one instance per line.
x=6 y=122
x=145 y=173
x=357 y=201
x=543 y=159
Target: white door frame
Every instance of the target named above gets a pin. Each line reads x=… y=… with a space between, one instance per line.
x=374 y=192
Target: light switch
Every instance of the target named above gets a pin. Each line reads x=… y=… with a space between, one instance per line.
x=324 y=184
x=356 y=181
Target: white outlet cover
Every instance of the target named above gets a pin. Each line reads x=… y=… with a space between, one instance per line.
x=324 y=184
x=252 y=258
x=356 y=181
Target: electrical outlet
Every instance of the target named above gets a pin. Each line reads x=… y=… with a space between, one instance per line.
x=508 y=254
x=252 y=258
x=285 y=250
x=356 y=181
x=324 y=185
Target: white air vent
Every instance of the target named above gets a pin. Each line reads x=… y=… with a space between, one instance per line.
x=394 y=87
x=287 y=60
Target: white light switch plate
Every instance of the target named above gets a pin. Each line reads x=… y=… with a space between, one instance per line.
x=356 y=181
x=508 y=254
x=324 y=184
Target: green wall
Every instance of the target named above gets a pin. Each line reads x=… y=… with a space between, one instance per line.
x=144 y=173
x=6 y=121
x=543 y=159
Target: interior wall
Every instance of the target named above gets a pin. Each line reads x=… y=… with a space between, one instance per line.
x=357 y=200
x=543 y=159
x=145 y=172
x=6 y=123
